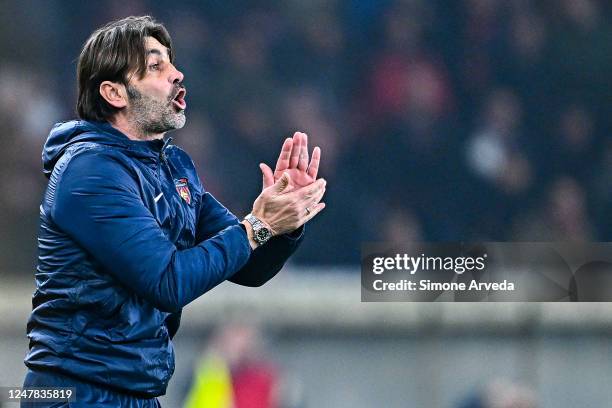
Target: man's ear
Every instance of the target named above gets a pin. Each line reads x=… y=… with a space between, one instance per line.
x=115 y=94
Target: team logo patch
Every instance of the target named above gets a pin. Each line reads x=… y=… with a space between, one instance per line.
x=183 y=189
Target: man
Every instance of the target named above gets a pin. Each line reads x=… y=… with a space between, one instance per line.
x=128 y=235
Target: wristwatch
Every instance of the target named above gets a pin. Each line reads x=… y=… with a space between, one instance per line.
x=261 y=232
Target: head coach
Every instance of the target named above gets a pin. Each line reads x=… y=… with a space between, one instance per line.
x=129 y=235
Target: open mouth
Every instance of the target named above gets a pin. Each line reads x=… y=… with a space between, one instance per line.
x=179 y=99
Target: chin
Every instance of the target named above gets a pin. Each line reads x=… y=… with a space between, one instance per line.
x=177 y=121
x=181 y=120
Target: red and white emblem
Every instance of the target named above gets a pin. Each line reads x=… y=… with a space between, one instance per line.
x=183 y=189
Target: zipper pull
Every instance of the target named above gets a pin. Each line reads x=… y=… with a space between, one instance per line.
x=166 y=143
x=162 y=154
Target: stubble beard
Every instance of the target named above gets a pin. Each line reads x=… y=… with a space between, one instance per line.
x=151 y=116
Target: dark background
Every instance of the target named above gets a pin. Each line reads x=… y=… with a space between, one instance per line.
x=438 y=120
x=465 y=120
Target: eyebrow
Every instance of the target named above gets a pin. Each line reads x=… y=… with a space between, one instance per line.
x=156 y=51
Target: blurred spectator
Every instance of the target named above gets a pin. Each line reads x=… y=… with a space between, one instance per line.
x=28 y=108
x=495 y=152
x=564 y=216
x=233 y=372
x=501 y=394
x=574 y=145
x=497 y=157
x=400 y=226
x=482 y=32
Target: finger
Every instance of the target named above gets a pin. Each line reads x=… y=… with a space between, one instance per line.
x=313 y=168
x=310 y=190
x=313 y=211
x=282 y=183
x=311 y=199
x=267 y=175
x=312 y=202
x=303 y=159
x=282 y=163
x=318 y=196
x=295 y=152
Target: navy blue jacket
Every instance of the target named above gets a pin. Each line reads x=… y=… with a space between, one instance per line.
x=129 y=236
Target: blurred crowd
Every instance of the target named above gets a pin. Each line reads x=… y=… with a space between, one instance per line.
x=439 y=120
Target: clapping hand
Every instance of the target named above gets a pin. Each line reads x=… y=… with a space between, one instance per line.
x=291 y=195
x=293 y=159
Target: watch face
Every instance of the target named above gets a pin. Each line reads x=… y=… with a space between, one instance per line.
x=263 y=234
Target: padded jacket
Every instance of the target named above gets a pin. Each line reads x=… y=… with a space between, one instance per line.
x=129 y=236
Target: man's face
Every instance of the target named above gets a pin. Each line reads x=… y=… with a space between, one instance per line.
x=156 y=103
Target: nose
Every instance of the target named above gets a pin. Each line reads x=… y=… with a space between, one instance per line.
x=177 y=76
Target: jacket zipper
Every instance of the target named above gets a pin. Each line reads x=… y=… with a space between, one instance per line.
x=163 y=149
x=164 y=159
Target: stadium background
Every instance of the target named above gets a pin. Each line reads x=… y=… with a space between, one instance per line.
x=438 y=120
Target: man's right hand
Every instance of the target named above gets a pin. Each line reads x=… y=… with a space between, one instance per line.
x=286 y=211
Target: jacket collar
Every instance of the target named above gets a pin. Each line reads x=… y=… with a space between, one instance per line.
x=144 y=146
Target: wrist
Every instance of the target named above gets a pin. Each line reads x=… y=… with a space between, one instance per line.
x=261 y=230
x=250 y=235
x=260 y=218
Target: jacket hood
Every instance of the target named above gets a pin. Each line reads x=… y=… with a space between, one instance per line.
x=64 y=134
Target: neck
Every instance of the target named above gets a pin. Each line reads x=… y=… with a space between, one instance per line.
x=131 y=130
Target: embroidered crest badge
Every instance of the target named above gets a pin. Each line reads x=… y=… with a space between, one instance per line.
x=183 y=189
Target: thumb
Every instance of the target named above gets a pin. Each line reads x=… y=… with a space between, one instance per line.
x=268 y=176
x=282 y=183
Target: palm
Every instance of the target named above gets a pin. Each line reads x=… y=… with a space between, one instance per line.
x=299 y=178
x=293 y=159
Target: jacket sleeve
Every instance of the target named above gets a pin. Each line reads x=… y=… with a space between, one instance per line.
x=97 y=203
x=265 y=261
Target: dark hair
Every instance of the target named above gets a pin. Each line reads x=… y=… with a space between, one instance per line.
x=112 y=53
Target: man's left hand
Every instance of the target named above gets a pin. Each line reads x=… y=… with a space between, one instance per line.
x=293 y=159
